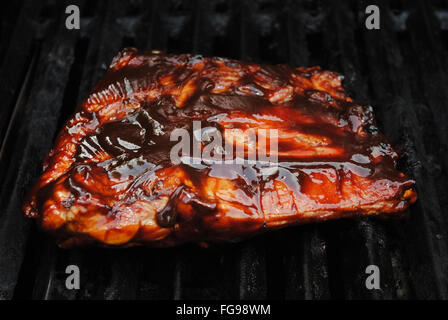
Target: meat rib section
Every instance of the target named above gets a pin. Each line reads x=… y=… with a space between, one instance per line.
x=110 y=180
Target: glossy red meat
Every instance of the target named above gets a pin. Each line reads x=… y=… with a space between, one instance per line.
x=109 y=178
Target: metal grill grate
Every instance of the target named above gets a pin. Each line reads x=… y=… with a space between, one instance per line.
x=401 y=70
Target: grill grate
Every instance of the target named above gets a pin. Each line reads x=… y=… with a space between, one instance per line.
x=46 y=70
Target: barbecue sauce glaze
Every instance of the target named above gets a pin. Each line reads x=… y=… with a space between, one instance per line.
x=324 y=141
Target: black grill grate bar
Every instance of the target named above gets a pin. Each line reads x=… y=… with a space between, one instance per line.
x=43 y=105
x=18 y=108
x=430 y=86
x=10 y=264
x=49 y=283
x=158 y=36
x=393 y=87
x=15 y=63
x=424 y=32
x=8 y=18
x=45 y=273
x=388 y=118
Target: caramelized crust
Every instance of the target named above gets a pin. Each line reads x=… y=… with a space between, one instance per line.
x=109 y=178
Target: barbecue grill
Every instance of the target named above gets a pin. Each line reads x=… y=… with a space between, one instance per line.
x=401 y=69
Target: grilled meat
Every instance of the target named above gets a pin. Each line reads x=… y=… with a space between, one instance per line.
x=110 y=178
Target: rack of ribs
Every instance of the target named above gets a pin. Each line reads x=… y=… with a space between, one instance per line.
x=110 y=178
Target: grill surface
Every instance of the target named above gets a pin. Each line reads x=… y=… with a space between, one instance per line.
x=46 y=70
